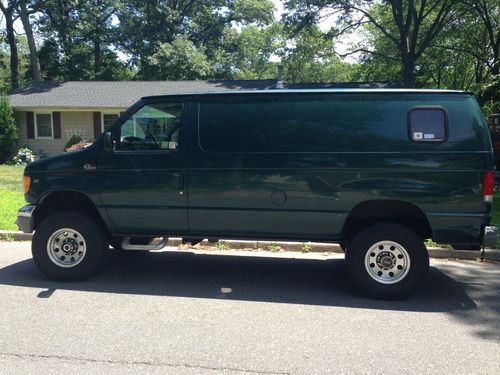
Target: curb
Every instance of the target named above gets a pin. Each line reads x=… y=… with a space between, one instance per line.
x=315 y=247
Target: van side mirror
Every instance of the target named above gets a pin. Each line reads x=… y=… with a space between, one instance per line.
x=109 y=143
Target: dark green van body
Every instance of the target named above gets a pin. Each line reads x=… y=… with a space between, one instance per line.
x=285 y=165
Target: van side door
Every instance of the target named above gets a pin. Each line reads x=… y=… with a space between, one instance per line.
x=143 y=180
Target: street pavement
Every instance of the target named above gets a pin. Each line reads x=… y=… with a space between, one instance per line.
x=185 y=313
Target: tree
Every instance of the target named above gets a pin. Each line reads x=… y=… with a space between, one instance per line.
x=489 y=15
x=410 y=26
x=95 y=17
x=8 y=129
x=59 y=22
x=308 y=57
x=24 y=14
x=247 y=53
x=179 y=60
x=145 y=25
x=8 y=12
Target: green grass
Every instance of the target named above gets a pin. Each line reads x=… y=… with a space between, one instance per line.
x=495 y=212
x=11 y=195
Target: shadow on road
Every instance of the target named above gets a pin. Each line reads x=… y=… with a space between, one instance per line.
x=298 y=281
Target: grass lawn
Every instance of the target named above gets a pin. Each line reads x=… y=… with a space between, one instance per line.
x=11 y=195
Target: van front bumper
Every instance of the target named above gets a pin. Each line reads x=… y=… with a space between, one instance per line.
x=25 y=220
x=490 y=236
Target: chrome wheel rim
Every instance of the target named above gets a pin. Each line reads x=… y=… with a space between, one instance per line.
x=387 y=262
x=66 y=247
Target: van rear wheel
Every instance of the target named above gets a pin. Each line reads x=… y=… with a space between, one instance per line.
x=68 y=246
x=387 y=260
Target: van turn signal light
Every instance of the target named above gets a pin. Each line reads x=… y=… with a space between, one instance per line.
x=26 y=183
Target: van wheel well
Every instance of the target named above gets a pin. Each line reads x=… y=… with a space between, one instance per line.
x=63 y=201
x=376 y=211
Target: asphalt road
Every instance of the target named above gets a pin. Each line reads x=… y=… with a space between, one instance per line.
x=179 y=313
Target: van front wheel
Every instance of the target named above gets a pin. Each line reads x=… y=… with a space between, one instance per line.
x=387 y=260
x=68 y=246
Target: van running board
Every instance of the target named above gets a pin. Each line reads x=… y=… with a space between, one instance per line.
x=126 y=245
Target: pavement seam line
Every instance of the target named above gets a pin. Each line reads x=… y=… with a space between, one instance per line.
x=145 y=363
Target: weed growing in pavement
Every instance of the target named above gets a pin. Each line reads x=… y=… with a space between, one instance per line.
x=274 y=247
x=221 y=245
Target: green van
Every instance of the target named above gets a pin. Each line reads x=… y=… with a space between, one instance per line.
x=378 y=171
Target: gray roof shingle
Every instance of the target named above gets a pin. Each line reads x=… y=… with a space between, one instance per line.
x=122 y=94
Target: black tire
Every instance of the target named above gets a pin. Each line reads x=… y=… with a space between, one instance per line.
x=363 y=259
x=93 y=237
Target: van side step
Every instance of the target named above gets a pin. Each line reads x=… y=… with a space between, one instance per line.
x=126 y=245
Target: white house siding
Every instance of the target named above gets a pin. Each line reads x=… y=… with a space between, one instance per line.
x=80 y=121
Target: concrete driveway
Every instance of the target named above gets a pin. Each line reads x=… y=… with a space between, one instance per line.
x=180 y=313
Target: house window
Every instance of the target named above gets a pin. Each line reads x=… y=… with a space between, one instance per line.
x=43 y=125
x=108 y=119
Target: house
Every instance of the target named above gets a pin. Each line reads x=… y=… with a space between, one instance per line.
x=49 y=113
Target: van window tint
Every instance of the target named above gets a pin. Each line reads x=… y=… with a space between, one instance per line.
x=152 y=127
x=302 y=123
x=427 y=125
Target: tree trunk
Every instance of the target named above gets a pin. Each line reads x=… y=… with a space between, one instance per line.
x=97 y=59
x=11 y=38
x=35 y=63
x=495 y=70
x=408 y=62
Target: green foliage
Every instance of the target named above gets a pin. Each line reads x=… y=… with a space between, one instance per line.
x=447 y=43
x=8 y=130
x=247 y=53
x=73 y=140
x=179 y=60
x=308 y=56
x=7 y=237
x=306 y=248
x=221 y=245
x=273 y=247
x=489 y=96
x=23 y=157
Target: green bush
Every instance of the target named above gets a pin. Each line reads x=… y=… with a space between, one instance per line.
x=489 y=96
x=24 y=156
x=74 y=139
x=8 y=130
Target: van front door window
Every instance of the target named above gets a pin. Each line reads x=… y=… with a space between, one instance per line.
x=152 y=127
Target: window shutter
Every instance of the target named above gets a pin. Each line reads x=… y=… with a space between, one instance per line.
x=97 y=124
x=56 y=120
x=30 y=124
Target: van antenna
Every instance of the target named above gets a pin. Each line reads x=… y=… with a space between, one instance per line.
x=279 y=82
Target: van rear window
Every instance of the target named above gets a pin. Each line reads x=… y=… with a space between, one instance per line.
x=427 y=124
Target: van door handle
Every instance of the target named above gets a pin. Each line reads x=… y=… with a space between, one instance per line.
x=180 y=180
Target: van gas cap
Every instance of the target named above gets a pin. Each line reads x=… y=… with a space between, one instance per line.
x=278 y=197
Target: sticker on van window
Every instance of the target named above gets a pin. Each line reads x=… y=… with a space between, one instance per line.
x=418 y=135
x=165 y=145
x=429 y=136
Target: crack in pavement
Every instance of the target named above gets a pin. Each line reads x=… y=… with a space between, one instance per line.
x=143 y=363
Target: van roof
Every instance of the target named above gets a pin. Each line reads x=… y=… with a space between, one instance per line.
x=317 y=91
